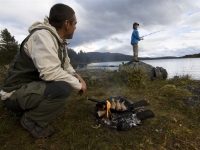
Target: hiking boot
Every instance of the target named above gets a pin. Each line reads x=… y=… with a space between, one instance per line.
x=145 y=114
x=27 y=123
x=42 y=132
x=35 y=130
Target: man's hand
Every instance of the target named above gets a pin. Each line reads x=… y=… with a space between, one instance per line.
x=141 y=38
x=84 y=87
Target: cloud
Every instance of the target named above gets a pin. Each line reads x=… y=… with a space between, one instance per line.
x=106 y=26
x=113 y=18
x=116 y=40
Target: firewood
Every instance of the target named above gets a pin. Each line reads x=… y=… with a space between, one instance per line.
x=118 y=105
x=101 y=113
x=123 y=106
x=113 y=104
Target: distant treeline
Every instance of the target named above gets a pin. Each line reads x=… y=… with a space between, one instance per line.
x=191 y=56
x=82 y=57
x=8 y=47
x=89 y=57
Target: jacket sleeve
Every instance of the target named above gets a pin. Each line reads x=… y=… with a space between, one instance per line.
x=68 y=67
x=132 y=37
x=42 y=47
x=136 y=34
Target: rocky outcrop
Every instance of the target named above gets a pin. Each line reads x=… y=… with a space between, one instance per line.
x=152 y=72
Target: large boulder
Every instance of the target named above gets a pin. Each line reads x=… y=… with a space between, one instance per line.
x=152 y=72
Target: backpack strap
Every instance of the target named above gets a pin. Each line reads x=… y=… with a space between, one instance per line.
x=61 y=55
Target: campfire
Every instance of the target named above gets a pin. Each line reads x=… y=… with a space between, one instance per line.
x=118 y=113
x=108 y=106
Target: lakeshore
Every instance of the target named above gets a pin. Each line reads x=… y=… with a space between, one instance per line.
x=174 y=67
x=174 y=101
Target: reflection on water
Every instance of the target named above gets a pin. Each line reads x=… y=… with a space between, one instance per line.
x=179 y=67
x=174 y=67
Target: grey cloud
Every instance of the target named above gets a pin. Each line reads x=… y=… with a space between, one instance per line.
x=172 y=52
x=103 y=19
x=116 y=40
x=123 y=49
x=111 y=17
x=103 y=49
x=163 y=51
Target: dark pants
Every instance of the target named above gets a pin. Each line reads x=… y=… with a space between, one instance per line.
x=41 y=101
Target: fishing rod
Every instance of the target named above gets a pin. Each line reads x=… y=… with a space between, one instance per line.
x=152 y=33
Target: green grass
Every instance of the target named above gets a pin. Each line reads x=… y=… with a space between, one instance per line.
x=175 y=125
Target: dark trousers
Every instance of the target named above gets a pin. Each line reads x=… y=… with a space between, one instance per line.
x=41 y=101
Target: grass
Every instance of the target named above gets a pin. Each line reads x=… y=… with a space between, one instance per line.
x=175 y=126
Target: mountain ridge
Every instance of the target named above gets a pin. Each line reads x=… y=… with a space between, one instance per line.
x=99 y=57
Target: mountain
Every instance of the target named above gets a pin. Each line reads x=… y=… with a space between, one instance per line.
x=105 y=57
x=100 y=57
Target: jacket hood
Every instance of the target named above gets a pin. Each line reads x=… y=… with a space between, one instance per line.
x=46 y=25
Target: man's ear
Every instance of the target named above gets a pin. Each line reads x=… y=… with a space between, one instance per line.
x=66 y=24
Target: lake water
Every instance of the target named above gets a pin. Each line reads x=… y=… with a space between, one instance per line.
x=174 y=67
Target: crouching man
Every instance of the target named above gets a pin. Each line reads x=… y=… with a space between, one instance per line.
x=40 y=78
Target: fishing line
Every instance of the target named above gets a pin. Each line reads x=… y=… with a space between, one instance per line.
x=151 y=33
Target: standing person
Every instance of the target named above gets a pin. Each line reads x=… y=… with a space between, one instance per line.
x=134 y=41
x=40 y=78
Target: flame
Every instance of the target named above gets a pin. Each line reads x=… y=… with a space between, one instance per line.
x=108 y=106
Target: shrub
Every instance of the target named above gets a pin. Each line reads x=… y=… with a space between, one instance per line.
x=133 y=77
x=171 y=91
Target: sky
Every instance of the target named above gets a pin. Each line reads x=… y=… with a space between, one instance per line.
x=106 y=25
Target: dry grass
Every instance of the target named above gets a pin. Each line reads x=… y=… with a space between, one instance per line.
x=175 y=126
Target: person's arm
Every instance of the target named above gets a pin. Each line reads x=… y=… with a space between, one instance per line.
x=137 y=35
x=42 y=47
x=84 y=87
x=68 y=67
x=132 y=37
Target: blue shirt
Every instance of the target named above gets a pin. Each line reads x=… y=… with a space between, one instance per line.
x=135 y=37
